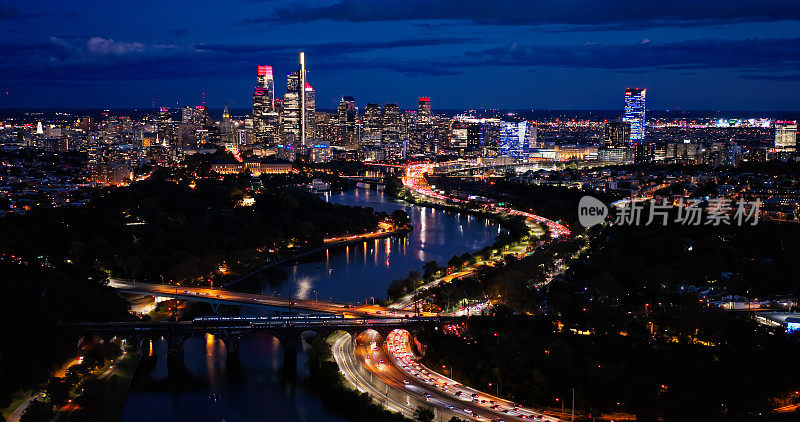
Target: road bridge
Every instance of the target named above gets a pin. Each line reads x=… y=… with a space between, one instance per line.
x=217 y=297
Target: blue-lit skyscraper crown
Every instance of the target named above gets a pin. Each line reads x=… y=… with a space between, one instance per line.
x=635 y=112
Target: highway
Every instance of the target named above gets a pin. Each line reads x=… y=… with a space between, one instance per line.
x=344 y=355
x=402 y=372
x=398 y=345
x=226 y=297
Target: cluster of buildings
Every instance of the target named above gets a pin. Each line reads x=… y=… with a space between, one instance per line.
x=279 y=130
x=34 y=178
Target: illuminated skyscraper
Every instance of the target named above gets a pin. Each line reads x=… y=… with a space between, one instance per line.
x=291 y=109
x=309 y=116
x=298 y=120
x=267 y=81
x=617 y=134
x=226 y=126
x=166 y=130
x=346 y=127
x=390 y=123
x=424 y=111
x=517 y=136
x=303 y=93
x=635 y=108
x=266 y=120
x=371 y=133
x=786 y=135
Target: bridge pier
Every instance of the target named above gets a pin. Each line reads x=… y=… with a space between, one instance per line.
x=290 y=346
x=231 y=348
x=174 y=350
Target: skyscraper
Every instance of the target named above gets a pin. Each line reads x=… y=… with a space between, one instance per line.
x=371 y=134
x=617 y=134
x=786 y=135
x=166 y=130
x=299 y=104
x=424 y=111
x=226 y=126
x=390 y=123
x=267 y=81
x=291 y=109
x=266 y=120
x=517 y=136
x=309 y=119
x=346 y=123
x=302 y=82
x=635 y=108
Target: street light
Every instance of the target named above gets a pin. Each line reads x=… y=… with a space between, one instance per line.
x=444 y=368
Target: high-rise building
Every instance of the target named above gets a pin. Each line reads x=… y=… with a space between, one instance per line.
x=635 y=108
x=347 y=123
x=299 y=105
x=266 y=120
x=291 y=109
x=424 y=111
x=786 y=135
x=347 y=111
x=309 y=116
x=267 y=81
x=517 y=136
x=390 y=123
x=226 y=126
x=187 y=114
x=201 y=116
x=166 y=128
x=458 y=134
x=617 y=134
x=371 y=134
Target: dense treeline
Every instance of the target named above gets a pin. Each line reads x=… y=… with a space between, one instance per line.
x=633 y=261
x=526 y=360
x=33 y=302
x=647 y=340
x=172 y=227
x=626 y=325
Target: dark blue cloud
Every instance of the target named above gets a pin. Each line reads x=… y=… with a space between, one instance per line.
x=579 y=13
x=64 y=58
x=765 y=54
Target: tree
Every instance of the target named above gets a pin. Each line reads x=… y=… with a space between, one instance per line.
x=57 y=390
x=424 y=414
x=400 y=217
x=38 y=411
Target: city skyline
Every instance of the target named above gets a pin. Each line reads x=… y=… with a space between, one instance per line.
x=717 y=57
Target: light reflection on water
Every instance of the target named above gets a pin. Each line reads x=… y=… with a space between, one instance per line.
x=258 y=391
x=365 y=269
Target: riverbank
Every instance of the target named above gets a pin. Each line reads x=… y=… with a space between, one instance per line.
x=104 y=399
x=328 y=244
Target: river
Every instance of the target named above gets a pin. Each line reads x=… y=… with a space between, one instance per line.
x=354 y=274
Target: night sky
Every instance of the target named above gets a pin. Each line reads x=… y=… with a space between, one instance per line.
x=529 y=54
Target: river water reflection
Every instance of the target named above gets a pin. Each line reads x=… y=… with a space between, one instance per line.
x=257 y=391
